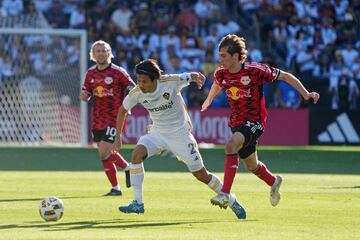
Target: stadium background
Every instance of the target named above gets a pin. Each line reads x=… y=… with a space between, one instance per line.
x=306 y=38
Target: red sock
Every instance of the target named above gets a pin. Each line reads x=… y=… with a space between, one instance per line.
x=264 y=174
x=118 y=160
x=231 y=166
x=110 y=171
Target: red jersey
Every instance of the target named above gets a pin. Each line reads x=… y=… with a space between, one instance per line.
x=244 y=91
x=108 y=88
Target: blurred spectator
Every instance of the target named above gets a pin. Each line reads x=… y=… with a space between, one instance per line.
x=227 y=26
x=306 y=61
x=170 y=38
x=121 y=17
x=56 y=17
x=186 y=19
x=42 y=5
x=349 y=55
x=144 y=18
x=11 y=8
x=77 y=17
x=254 y=54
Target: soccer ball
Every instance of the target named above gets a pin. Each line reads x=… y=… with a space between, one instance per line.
x=51 y=208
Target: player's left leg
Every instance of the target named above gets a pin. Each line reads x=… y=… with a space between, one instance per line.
x=109 y=168
x=210 y=179
x=257 y=167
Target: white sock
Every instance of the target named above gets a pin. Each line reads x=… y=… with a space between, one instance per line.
x=215 y=183
x=137 y=179
x=117 y=187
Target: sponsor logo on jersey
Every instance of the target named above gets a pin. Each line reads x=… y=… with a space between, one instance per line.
x=235 y=93
x=166 y=95
x=245 y=80
x=162 y=107
x=100 y=91
x=108 y=80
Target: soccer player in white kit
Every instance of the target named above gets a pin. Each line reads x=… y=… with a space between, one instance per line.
x=160 y=96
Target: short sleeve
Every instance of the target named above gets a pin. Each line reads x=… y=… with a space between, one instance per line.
x=87 y=85
x=218 y=76
x=267 y=73
x=131 y=99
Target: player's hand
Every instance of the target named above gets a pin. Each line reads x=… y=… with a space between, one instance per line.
x=199 y=78
x=205 y=105
x=116 y=145
x=313 y=95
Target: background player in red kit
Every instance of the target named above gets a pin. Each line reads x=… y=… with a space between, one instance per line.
x=244 y=82
x=108 y=84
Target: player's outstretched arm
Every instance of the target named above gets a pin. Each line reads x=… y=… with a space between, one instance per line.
x=294 y=82
x=122 y=113
x=215 y=89
x=198 y=78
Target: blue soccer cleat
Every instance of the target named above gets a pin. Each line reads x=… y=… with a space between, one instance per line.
x=238 y=209
x=133 y=207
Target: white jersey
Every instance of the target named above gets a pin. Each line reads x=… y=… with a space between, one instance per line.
x=165 y=105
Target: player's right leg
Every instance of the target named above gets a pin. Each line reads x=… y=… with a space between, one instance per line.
x=147 y=146
x=223 y=200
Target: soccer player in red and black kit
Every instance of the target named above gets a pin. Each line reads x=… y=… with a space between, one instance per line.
x=243 y=82
x=108 y=84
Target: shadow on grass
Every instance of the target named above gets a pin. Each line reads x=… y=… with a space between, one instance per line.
x=39 y=199
x=353 y=187
x=104 y=224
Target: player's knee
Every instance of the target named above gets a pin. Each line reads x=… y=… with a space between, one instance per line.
x=231 y=146
x=137 y=157
x=104 y=155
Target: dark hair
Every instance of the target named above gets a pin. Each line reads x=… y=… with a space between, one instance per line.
x=235 y=44
x=150 y=68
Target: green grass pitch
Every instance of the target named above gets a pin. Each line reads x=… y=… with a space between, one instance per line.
x=314 y=205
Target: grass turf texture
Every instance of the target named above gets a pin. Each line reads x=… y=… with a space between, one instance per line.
x=324 y=203
x=177 y=207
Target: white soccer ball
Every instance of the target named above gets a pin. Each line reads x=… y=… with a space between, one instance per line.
x=51 y=208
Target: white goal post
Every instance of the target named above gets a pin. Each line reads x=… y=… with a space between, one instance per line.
x=41 y=71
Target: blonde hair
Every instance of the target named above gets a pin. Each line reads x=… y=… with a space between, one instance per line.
x=107 y=47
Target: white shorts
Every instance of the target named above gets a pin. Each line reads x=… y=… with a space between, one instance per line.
x=183 y=146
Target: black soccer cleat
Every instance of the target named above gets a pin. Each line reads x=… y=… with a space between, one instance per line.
x=113 y=192
x=127 y=178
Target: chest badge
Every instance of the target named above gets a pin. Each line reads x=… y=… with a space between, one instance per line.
x=108 y=80
x=245 y=80
x=166 y=95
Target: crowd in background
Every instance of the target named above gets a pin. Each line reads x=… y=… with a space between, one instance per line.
x=317 y=40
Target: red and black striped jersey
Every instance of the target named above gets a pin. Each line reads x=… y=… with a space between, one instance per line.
x=244 y=91
x=108 y=88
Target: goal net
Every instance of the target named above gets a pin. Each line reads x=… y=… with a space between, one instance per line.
x=40 y=76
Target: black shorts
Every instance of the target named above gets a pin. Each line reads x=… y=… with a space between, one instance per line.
x=251 y=131
x=108 y=134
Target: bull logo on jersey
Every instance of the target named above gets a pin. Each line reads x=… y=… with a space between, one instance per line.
x=166 y=96
x=235 y=93
x=245 y=80
x=108 y=80
x=100 y=91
